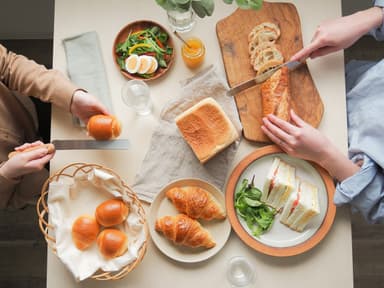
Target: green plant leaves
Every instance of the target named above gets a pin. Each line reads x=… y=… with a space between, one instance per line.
x=203 y=7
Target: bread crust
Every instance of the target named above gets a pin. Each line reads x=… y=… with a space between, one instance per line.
x=206 y=128
x=276 y=95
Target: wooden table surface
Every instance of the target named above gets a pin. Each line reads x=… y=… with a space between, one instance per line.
x=329 y=264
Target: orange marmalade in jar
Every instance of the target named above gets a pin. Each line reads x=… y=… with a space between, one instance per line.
x=193 y=54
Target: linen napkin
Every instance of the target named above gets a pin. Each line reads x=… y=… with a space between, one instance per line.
x=86 y=67
x=170 y=157
x=71 y=197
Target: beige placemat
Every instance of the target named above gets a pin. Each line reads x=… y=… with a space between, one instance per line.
x=169 y=156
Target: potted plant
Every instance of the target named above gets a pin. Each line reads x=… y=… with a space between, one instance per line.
x=181 y=12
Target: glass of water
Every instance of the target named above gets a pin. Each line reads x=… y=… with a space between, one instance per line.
x=136 y=95
x=240 y=273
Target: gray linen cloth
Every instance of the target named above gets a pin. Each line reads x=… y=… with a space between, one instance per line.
x=170 y=157
x=86 y=67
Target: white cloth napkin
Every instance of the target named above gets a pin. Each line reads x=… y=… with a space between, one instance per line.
x=70 y=198
x=86 y=67
x=169 y=156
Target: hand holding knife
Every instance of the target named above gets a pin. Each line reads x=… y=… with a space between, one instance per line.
x=291 y=65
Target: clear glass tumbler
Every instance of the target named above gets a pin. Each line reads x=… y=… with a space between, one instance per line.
x=240 y=273
x=136 y=95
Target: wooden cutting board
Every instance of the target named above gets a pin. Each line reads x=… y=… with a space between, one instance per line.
x=232 y=33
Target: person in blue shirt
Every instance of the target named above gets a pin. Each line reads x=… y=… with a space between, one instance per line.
x=360 y=175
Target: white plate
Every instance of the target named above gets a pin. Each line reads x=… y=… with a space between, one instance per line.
x=162 y=206
x=280 y=235
x=280 y=240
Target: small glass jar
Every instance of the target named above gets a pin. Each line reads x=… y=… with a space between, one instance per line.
x=193 y=52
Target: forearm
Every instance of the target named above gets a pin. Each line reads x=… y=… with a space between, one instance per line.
x=366 y=20
x=337 y=164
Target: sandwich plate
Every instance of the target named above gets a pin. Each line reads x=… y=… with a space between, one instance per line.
x=162 y=206
x=280 y=240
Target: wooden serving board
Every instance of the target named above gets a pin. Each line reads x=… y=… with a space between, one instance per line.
x=232 y=33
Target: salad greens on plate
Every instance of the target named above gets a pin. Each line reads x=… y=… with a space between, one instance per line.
x=152 y=41
x=258 y=215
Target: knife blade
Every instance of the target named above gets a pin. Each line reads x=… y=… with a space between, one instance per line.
x=118 y=144
x=291 y=65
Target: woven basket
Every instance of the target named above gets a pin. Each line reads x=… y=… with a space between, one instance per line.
x=71 y=171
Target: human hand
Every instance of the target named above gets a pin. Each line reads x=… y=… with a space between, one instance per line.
x=85 y=105
x=336 y=34
x=298 y=139
x=27 y=161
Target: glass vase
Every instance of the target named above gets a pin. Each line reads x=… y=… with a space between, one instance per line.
x=181 y=20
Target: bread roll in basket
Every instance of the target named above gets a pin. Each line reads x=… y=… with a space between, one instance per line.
x=72 y=173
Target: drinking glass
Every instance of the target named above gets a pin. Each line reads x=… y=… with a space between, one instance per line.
x=136 y=95
x=240 y=273
x=181 y=20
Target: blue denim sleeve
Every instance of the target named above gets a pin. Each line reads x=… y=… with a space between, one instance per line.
x=364 y=191
x=378 y=33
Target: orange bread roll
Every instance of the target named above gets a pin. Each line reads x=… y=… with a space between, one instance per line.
x=50 y=147
x=84 y=231
x=111 y=212
x=112 y=243
x=104 y=127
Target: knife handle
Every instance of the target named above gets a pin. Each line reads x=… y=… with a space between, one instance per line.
x=49 y=146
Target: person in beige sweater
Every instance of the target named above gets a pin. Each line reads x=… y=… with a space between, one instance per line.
x=22 y=176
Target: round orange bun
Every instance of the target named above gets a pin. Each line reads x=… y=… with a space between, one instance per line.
x=111 y=212
x=112 y=243
x=104 y=127
x=84 y=231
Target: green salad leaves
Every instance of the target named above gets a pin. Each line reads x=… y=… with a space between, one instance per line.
x=152 y=41
x=258 y=215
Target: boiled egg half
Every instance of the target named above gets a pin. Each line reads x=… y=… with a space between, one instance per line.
x=132 y=63
x=142 y=64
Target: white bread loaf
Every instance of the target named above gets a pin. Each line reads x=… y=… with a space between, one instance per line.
x=206 y=128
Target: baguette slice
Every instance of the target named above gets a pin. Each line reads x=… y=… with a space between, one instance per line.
x=206 y=128
x=301 y=207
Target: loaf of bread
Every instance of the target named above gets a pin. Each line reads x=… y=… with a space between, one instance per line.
x=183 y=230
x=84 y=231
x=206 y=128
x=49 y=146
x=112 y=243
x=275 y=93
x=104 y=127
x=195 y=202
x=111 y=212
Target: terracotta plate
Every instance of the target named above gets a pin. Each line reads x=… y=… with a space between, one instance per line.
x=219 y=229
x=280 y=240
x=131 y=28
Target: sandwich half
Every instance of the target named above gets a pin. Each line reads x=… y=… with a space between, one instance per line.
x=301 y=207
x=279 y=184
x=206 y=128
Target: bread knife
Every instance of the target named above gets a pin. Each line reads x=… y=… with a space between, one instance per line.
x=118 y=144
x=262 y=77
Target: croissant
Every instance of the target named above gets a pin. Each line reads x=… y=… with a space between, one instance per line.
x=111 y=212
x=195 y=202
x=275 y=93
x=104 y=127
x=183 y=230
